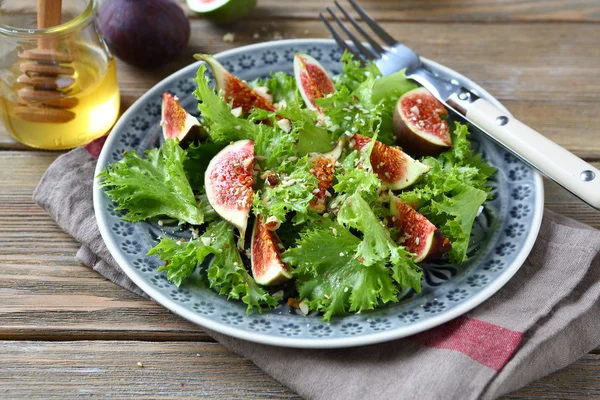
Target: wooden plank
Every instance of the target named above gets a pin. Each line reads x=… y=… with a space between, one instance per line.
x=41 y=370
x=46 y=294
x=545 y=73
x=191 y=369
x=444 y=11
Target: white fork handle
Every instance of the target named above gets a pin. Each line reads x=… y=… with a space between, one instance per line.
x=552 y=160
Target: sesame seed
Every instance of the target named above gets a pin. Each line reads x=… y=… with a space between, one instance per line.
x=139 y=364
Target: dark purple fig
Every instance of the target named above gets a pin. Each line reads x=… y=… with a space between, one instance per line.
x=323 y=169
x=177 y=123
x=416 y=232
x=146 y=34
x=312 y=80
x=419 y=123
x=267 y=267
x=396 y=169
x=235 y=91
x=228 y=183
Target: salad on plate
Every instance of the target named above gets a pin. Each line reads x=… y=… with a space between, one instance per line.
x=323 y=192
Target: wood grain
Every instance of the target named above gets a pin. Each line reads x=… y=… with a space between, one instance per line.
x=41 y=370
x=66 y=332
x=440 y=11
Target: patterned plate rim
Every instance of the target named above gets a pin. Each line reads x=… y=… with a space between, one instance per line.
x=362 y=340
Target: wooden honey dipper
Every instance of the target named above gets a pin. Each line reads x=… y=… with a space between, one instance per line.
x=46 y=74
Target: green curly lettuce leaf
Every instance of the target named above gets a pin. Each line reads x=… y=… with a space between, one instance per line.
x=153 y=186
x=452 y=192
x=331 y=278
x=294 y=193
x=226 y=272
x=377 y=245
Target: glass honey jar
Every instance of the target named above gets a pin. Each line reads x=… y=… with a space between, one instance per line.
x=58 y=84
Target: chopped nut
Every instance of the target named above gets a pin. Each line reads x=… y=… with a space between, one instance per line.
x=237 y=112
x=229 y=37
x=285 y=125
x=304 y=307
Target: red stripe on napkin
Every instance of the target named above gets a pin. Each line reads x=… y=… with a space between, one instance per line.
x=95 y=146
x=488 y=344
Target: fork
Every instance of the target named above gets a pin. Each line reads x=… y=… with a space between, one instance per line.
x=552 y=160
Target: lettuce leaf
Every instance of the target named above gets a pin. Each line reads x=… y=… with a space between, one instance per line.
x=270 y=141
x=451 y=193
x=156 y=185
x=330 y=276
x=281 y=86
x=223 y=126
x=377 y=245
x=295 y=195
x=226 y=271
x=197 y=160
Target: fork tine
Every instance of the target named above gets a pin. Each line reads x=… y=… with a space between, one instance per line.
x=390 y=41
x=365 y=51
x=360 y=30
x=339 y=40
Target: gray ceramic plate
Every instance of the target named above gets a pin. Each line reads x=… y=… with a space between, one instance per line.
x=502 y=237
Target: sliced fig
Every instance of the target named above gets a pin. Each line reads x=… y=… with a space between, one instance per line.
x=228 y=182
x=418 y=123
x=267 y=267
x=177 y=123
x=312 y=80
x=323 y=170
x=417 y=233
x=235 y=91
x=396 y=169
x=222 y=11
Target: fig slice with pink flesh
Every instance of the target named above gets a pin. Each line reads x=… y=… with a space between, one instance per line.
x=267 y=266
x=323 y=170
x=419 y=125
x=312 y=80
x=417 y=233
x=396 y=169
x=228 y=182
x=177 y=123
x=235 y=91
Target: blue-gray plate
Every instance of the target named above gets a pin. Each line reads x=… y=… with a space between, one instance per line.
x=502 y=238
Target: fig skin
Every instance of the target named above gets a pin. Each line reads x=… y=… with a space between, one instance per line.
x=396 y=169
x=418 y=234
x=230 y=12
x=145 y=34
x=408 y=136
x=235 y=91
x=312 y=80
x=228 y=182
x=267 y=267
x=177 y=123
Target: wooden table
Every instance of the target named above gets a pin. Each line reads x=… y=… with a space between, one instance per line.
x=67 y=332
